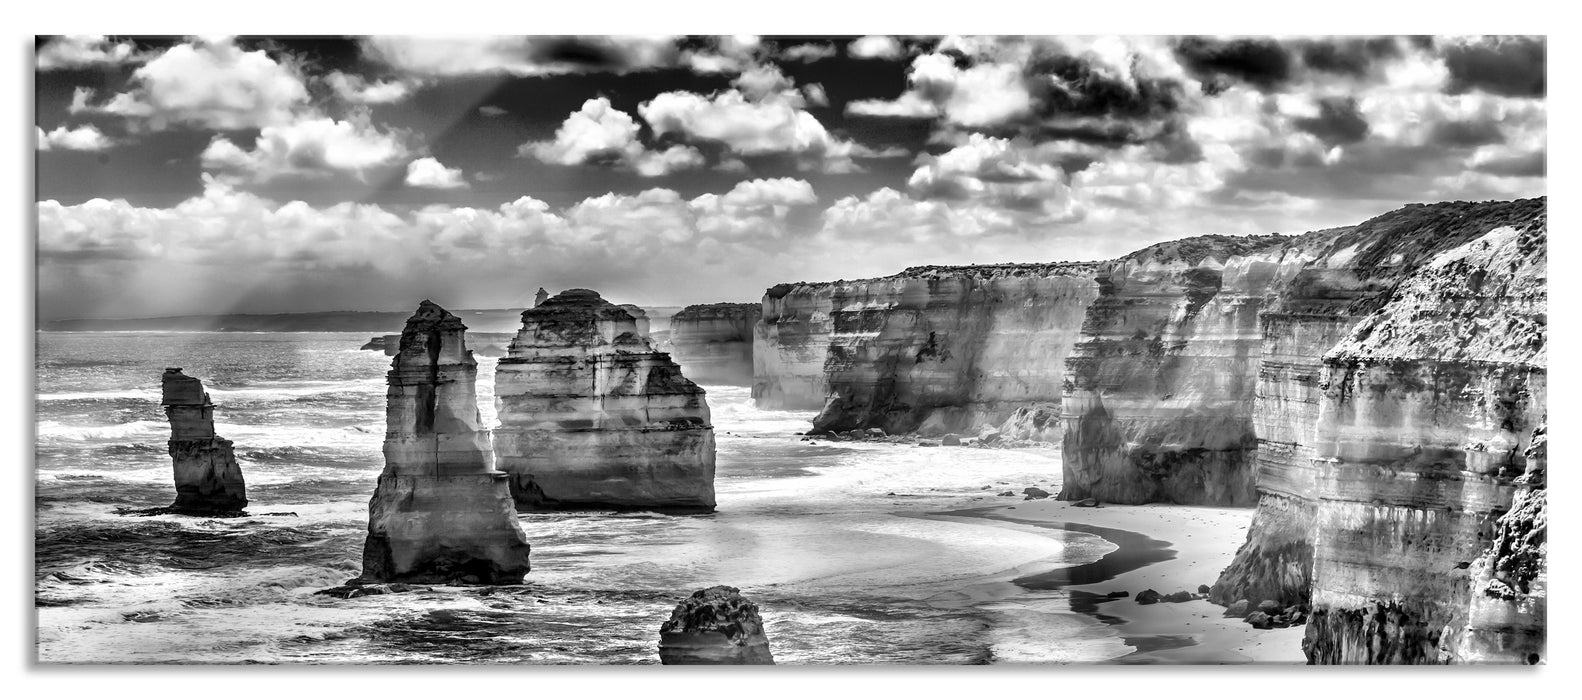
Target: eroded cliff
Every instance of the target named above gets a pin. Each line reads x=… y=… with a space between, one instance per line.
x=713 y=343
x=591 y=416
x=1159 y=387
x=790 y=344
x=950 y=349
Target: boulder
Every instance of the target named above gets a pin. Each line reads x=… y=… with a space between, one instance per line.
x=1178 y=597
x=1260 y=620
x=876 y=433
x=1147 y=597
x=1270 y=607
x=1238 y=609
x=1033 y=492
x=714 y=625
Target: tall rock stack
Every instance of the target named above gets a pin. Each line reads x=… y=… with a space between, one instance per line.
x=208 y=479
x=592 y=417
x=441 y=513
x=714 y=626
x=790 y=346
x=713 y=343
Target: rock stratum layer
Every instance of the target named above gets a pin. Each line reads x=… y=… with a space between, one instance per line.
x=441 y=512
x=591 y=416
x=208 y=478
x=714 y=626
x=1159 y=387
x=713 y=343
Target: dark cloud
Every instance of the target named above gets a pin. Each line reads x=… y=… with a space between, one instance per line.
x=1533 y=164
x=1509 y=66
x=1262 y=63
x=1338 y=121
x=1466 y=134
x=1347 y=56
x=1069 y=85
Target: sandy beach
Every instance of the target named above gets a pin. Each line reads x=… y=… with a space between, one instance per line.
x=1166 y=548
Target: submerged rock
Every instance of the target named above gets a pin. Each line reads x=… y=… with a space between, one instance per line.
x=714 y=626
x=592 y=417
x=440 y=513
x=208 y=478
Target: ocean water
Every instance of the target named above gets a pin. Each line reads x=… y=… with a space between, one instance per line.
x=835 y=542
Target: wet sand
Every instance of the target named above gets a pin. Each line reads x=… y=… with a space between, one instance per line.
x=1167 y=548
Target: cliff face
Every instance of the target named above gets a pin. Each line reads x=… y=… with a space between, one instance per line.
x=441 y=512
x=714 y=626
x=1330 y=281
x=208 y=479
x=591 y=416
x=713 y=343
x=790 y=344
x=1159 y=388
x=950 y=349
x=1425 y=423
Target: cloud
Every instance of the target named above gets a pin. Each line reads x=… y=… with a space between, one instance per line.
x=600 y=134
x=83 y=138
x=1264 y=63
x=807 y=53
x=308 y=147
x=1509 y=66
x=759 y=82
x=492 y=111
x=773 y=124
x=428 y=172
x=1338 y=121
x=726 y=54
x=209 y=83
x=980 y=96
x=67 y=52
x=521 y=55
x=752 y=208
x=356 y=89
x=874 y=47
x=998 y=173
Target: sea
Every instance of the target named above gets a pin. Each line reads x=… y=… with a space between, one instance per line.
x=850 y=549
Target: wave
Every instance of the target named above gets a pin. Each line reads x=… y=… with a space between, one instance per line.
x=110 y=395
x=55 y=430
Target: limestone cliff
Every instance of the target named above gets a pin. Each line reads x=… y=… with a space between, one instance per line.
x=208 y=479
x=713 y=343
x=591 y=416
x=1159 y=387
x=440 y=513
x=790 y=344
x=1425 y=421
x=1328 y=283
x=714 y=626
x=950 y=349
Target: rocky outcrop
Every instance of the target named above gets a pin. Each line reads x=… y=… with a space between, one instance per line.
x=1159 y=388
x=441 y=512
x=1329 y=282
x=714 y=626
x=1036 y=423
x=540 y=297
x=790 y=345
x=713 y=343
x=592 y=417
x=1425 y=422
x=208 y=479
x=938 y=350
x=486 y=344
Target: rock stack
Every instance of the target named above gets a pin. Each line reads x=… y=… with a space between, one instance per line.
x=714 y=626
x=208 y=479
x=441 y=513
x=592 y=417
x=538 y=299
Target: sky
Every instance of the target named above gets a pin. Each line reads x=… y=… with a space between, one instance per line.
x=183 y=175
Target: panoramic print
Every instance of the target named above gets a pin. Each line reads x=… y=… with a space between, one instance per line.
x=797 y=350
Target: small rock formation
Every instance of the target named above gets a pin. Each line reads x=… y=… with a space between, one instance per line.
x=592 y=417
x=538 y=299
x=714 y=626
x=713 y=343
x=441 y=513
x=208 y=479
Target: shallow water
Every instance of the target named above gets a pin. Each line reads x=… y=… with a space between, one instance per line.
x=823 y=536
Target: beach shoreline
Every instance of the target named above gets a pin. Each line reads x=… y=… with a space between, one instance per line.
x=1162 y=547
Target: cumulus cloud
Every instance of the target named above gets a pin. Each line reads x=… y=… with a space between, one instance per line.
x=1509 y=66
x=430 y=173
x=807 y=53
x=210 y=83
x=752 y=208
x=726 y=54
x=875 y=47
x=521 y=55
x=356 y=89
x=998 y=173
x=308 y=147
x=772 y=124
x=983 y=95
x=83 y=138
x=67 y=52
x=598 y=133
